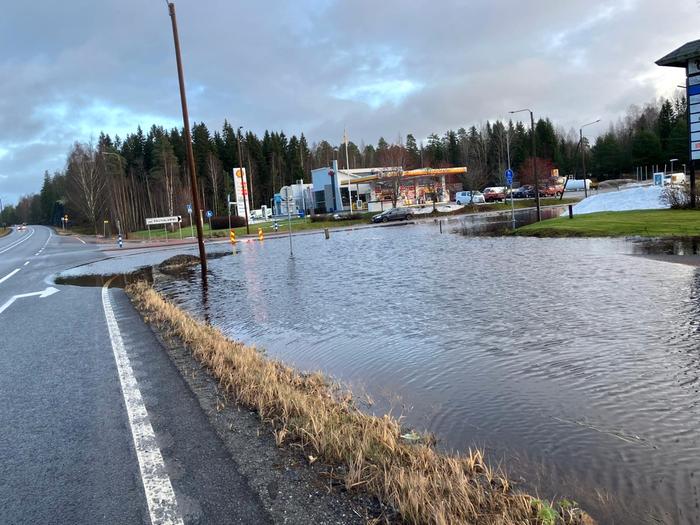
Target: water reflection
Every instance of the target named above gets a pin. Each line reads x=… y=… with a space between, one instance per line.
x=502 y=223
x=681 y=247
x=584 y=382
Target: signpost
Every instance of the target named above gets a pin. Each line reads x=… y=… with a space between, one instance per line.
x=240 y=187
x=210 y=214
x=509 y=181
x=688 y=56
x=154 y=221
x=189 y=210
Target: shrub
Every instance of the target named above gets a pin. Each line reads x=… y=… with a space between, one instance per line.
x=220 y=222
x=677 y=196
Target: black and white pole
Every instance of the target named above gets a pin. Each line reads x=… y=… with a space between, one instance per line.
x=289 y=220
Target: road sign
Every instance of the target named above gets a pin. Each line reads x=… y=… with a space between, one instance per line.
x=189 y=209
x=210 y=214
x=161 y=220
x=509 y=176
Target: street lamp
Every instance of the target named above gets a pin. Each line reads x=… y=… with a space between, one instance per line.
x=583 y=154
x=672 y=161
x=534 y=161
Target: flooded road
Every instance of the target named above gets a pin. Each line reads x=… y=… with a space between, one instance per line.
x=572 y=362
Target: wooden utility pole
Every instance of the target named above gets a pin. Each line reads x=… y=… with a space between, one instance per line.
x=188 y=144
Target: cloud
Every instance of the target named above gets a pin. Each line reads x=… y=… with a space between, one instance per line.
x=378 y=68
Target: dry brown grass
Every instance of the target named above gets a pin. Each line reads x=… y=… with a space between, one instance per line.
x=422 y=485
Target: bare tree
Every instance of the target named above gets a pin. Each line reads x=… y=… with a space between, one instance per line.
x=393 y=158
x=214 y=169
x=86 y=182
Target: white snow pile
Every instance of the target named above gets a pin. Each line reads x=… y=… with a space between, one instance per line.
x=428 y=208
x=636 y=198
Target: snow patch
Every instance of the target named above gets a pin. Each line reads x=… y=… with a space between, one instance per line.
x=443 y=208
x=636 y=198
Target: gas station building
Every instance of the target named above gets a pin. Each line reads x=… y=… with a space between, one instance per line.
x=373 y=189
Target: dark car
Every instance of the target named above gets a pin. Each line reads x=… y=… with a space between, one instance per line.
x=524 y=192
x=394 y=214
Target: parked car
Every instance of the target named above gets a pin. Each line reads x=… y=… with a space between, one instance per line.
x=551 y=191
x=469 y=197
x=394 y=214
x=524 y=192
x=494 y=194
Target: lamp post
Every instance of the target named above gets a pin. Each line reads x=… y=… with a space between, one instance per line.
x=534 y=161
x=188 y=143
x=244 y=182
x=583 y=155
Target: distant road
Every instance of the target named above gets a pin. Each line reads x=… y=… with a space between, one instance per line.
x=75 y=427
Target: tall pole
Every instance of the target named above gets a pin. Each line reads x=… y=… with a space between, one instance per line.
x=244 y=182
x=188 y=143
x=512 y=204
x=691 y=161
x=289 y=219
x=583 y=162
x=583 y=155
x=534 y=167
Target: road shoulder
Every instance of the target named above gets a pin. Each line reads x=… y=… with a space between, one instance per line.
x=290 y=490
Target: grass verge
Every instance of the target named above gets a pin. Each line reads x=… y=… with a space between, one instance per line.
x=505 y=206
x=643 y=223
x=4 y=231
x=368 y=453
x=297 y=225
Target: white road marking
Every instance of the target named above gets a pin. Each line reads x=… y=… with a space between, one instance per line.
x=17 y=243
x=162 y=504
x=25 y=264
x=45 y=244
x=44 y=293
x=81 y=240
x=9 y=275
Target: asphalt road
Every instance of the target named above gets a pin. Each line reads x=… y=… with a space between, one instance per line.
x=74 y=431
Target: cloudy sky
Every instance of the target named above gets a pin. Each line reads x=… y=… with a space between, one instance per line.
x=72 y=68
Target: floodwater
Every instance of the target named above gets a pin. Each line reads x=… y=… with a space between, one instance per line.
x=573 y=362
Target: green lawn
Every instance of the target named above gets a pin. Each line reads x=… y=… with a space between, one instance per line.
x=643 y=223
x=297 y=225
x=517 y=204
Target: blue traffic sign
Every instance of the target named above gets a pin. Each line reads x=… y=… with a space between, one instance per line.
x=189 y=209
x=210 y=214
x=509 y=176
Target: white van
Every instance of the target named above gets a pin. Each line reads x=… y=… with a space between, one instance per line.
x=468 y=197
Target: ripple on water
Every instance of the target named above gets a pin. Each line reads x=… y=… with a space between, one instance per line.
x=572 y=361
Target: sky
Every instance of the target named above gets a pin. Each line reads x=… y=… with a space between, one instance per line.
x=71 y=69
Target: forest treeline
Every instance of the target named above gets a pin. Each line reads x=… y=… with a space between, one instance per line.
x=144 y=174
